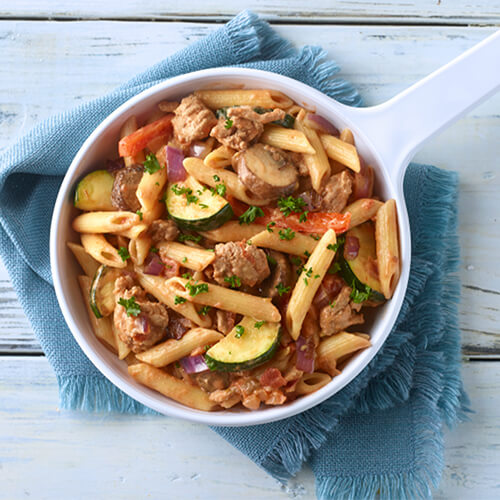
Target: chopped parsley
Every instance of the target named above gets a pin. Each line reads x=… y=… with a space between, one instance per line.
x=179 y=300
x=306 y=281
x=184 y=260
x=228 y=124
x=297 y=261
x=270 y=225
x=314 y=237
x=271 y=260
x=258 y=324
x=153 y=250
x=307 y=254
x=282 y=289
x=219 y=189
x=195 y=289
x=335 y=268
x=139 y=213
x=239 y=331
x=333 y=303
x=202 y=205
x=286 y=234
x=191 y=198
x=291 y=205
x=123 y=253
x=250 y=215
x=303 y=216
x=216 y=178
x=335 y=246
x=360 y=295
x=189 y=237
x=308 y=272
x=157 y=183
x=180 y=190
x=204 y=311
x=234 y=281
x=151 y=164
x=186 y=276
x=132 y=308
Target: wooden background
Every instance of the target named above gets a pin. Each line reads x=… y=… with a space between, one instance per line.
x=55 y=54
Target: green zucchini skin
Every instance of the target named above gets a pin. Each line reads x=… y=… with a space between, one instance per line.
x=93 y=192
x=350 y=278
x=102 y=290
x=228 y=355
x=208 y=223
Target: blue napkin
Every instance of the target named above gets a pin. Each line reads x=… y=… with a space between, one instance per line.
x=382 y=434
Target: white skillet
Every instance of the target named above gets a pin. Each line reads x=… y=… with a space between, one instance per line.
x=386 y=135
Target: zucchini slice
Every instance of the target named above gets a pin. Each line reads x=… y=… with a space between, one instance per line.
x=194 y=207
x=102 y=299
x=245 y=346
x=93 y=192
x=362 y=269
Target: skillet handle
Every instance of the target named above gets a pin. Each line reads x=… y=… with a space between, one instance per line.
x=398 y=127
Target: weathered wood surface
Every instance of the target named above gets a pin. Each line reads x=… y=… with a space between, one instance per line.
x=130 y=457
x=334 y=11
x=88 y=58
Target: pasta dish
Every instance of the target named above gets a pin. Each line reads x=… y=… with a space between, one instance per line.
x=233 y=248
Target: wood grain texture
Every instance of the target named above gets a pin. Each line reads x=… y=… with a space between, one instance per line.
x=130 y=457
x=88 y=58
x=338 y=11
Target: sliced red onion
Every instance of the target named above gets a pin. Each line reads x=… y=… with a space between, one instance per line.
x=113 y=166
x=176 y=171
x=305 y=355
x=321 y=299
x=153 y=265
x=351 y=247
x=142 y=323
x=311 y=199
x=194 y=364
x=363 y=182
x=321 y=124
x=198 y=150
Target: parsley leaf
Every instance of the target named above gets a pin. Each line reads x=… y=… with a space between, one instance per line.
x=123 y=253
x=270 y=225
x=258 y=324
x=335 y=268
x=186 y=276
x=179 y=300
x=132 y=308
x=139 y=213
x=251 y=214
x=151 y=164
x=219 y=189
x=189 y=237
x=358 y=296
x=228 y=123
x=239 y=331
x=271 y=260
x=297 y=261
x=195 y=289
x=333 y=303
x=153 y=250
x=335 y=246
x=216 y=178
x=303 y=216
x=180 y=190
x=234 y=281
x=282 y=289
x=204 y=311
x=191 y=198
x=184 y=260
x=291 y=205
x=286 y=234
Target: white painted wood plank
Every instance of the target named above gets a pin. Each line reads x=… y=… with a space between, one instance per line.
x=73 y=455
x=386 y=11
x=85 y=59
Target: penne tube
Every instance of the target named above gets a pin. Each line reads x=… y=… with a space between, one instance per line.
x=104 y=222
x=87 y=263
x=300 y=244
x=205 y=175
x=172 y=350
x=311 y=382
x=286 y=138
x=156 y=212
x=219 y=157
x=102 y=326
x=98 y=247
x=168 y=106
x=362 y=210
x=233 y=231
x=174 y=388
x=139 y=249
x=122 y=348
x=387 y=245
x=193 y=258
x=160 y=288
x=346 y=136
x=151 y=186
x=341 y=151
x=135 y=231
x=308 y=283
x=229 y=300
x=238 y=97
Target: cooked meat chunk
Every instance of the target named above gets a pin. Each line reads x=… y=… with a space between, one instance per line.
x=247 y=262
x=192 y=120
x=281 y=273
x=163 y=230
x=147 y=328
x=243 y=126
x=343 y=314
x=225 y=321
x=336 y=192
x=125 y=186
x=210 y=381
x=178 y=325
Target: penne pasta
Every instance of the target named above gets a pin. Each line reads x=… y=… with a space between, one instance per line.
x=139 y=249
x=193 y=258
x=87 y=263
x=172 y=350
x=300 y=244
x=227 y=299
x=102 y=326
x=238 y=97
x=219 y=157
x=104 y=222
x=233 y=231
x=311 y=382
x=122 y=348
x=308 y=283
x=286 y=138
x=160 y=288
x=387 y=245
x=98 y=247
x=151 y=186
x=362 y=210
x=135 y=231
x=341 y=151
x=346 y=136
x=174 y=388
x=155 y=213
x=205 y=175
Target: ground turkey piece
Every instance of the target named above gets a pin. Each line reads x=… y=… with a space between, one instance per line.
x=192 y=120
x=125 y=186
x=343 y=314
x=149 y=327
x=178 y=325
x=163 y=230
x=225 y=321
x=247 y=262
x=243 y=126
x=336 y=192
